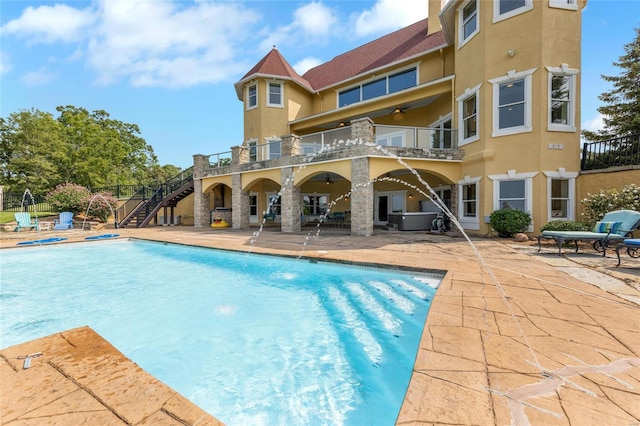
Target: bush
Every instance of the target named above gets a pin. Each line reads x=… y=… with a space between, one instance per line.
x=597 y=205
x=565 y=225
x=100 y=205
x=509 y=221
x=69 y=197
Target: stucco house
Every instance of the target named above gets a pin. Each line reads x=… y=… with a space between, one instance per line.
x=481 y=100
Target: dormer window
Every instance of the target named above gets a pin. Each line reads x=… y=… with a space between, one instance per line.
x=274 y=94
x=252 y=96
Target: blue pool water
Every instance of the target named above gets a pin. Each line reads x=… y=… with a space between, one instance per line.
x=251 y=339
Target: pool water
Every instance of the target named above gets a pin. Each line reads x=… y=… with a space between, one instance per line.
x=251 y=339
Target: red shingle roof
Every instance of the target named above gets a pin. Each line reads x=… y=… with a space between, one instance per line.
x=391 y=48
x=402 y=44
x=275 y=64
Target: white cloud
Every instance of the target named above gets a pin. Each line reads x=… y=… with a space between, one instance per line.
x=173 y=46
x=312 y=22
x=594 y=124
x=38 y=78
x=388 y=15
x=306 y=64
x=5 y=63
x=50 y=24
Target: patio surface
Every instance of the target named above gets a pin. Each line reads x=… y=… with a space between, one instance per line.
x=513 y=337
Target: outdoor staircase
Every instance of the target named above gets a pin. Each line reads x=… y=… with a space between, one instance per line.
x=142 y=208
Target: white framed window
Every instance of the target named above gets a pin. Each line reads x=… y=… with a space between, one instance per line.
x=252 y=145
x=252 y=96
x=513 y=190
x=381 y=86
x=562 y=99
x=274 y=94
x=275 y=148
x=469 y=24
x=512 y=103
x=315 y=204
x=274 y=204
x=564 y=4
x=442 y=138
x=468 y=202
x=468 y=107
x=505 y=9
x=561 y=193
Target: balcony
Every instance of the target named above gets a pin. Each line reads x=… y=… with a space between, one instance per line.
x=620 y=152
x=403 y=141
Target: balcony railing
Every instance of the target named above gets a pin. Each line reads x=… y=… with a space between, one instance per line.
x=415 y=137
x=616 y=152
x=315 y=142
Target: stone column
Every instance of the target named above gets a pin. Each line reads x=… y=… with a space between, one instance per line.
x=200 y=201
x=290 y=146
x=239 y=155
x=361 y=198
x=239 y=204
x=362 y=129
x=290 y=202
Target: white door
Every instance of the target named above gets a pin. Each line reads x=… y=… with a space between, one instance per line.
x=387 y=202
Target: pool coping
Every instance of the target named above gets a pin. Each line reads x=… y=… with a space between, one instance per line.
x=577 y=361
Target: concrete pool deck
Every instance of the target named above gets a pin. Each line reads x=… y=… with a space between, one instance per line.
x=521 y=338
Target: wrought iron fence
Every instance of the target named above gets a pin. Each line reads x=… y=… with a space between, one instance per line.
x=18 y=202
x=616 y=152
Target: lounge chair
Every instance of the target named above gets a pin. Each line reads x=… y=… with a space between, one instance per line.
x=64 y=222
x=614 y=227
x=632 y=245
x=24 y=221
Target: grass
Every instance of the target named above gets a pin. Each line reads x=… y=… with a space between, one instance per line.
x=6 y=217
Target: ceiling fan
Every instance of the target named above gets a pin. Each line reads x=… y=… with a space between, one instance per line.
x=398 y=114
x=328 y=180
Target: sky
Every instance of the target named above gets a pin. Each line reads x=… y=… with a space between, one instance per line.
x=169 y=66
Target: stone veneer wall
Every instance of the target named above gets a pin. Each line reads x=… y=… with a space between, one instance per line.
x=289 y=202
x=201 y=201
x=361 y=198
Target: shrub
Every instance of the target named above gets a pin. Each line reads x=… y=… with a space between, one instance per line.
x=565 y=225
x=509 y=221
x=100 y=205
x=69 y=197
x=597 y=205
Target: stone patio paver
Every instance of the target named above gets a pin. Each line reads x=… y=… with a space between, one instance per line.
x=514 y=338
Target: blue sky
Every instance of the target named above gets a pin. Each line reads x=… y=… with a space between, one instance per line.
x=169 y=66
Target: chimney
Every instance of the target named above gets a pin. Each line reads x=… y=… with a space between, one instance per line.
x=435 y=6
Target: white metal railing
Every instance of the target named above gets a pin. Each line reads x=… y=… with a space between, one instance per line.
x=415 y=137
x=314 y=142
x=220 y=159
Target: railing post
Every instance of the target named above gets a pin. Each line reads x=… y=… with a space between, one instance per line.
x=583 y=162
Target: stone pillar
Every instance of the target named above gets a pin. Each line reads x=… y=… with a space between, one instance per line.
x=291 y=146
x=362 y=129
x=200 y=201
x=239 y=155
x=361 y=198
x=290 y=203
x=239 y=204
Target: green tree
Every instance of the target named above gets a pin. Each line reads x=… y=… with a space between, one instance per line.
x=30 y=151
x=102 y=151
x=621 y=112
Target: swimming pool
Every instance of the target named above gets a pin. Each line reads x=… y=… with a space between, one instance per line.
x=251 y=339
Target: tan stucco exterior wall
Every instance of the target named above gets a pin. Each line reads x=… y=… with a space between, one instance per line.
x=593 y=183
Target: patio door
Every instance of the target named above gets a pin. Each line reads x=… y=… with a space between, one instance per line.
x=387 y=202
x=253 y=208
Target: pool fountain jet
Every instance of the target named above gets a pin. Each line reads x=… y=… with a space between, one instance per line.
x=91 y=200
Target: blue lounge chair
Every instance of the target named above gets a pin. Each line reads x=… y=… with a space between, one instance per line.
x=24 y=221
x=614 y=227
x=64 y=222
x=632 y=245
